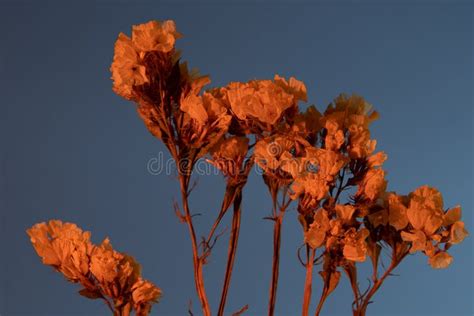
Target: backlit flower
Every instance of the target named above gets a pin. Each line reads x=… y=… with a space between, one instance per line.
x=155 y=36
x=426 y=209
x=64 y=246
x=397 y=211
x=441 y=260
x=261 y=103
x=315 y=236
x=206 y=119
x=457 y=233
x=334 y=135
x=355 y=247
x=228 y=155
x=127 y=68
x=307 y=124
x=102 y=271
x=373 y=184
x=144 y=293
x=293 y=87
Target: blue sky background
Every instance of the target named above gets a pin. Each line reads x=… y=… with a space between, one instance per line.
x=72 y=149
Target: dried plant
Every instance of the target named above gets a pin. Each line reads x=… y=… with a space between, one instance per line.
x=324 y=163
x=103 y=272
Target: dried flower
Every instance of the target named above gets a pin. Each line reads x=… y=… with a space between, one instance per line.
x=228 y=155
x=315 y=236
x=144 y=293
x=104 y=272
x=127 y=67
x=373 y=184
x=355 y=247
x=64 y=246
x=260 y=104
x=155 y=36
x=441 y=260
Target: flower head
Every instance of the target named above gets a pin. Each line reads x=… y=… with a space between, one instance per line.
x=128 y=70
x=373 y=184
x=315 y=236
x=355 y=247
x=102 y=271
x=64 y=246
x=260 y=104
x=155 y=36
x=228 y=155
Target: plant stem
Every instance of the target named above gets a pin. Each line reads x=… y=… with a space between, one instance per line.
x=233 y=241
x=197 y=262
x=355 y=290
x=275 y=262
x=229 y=198
x=324 y=296
x=361 y=311
x=308 y=280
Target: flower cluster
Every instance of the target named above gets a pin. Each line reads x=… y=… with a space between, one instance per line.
x=129 y=69
x=103 y=272
x=315 y=159
x=259 y=105
x=229 y=154
x=420 y=220
x=171 y=101
x=323 y=161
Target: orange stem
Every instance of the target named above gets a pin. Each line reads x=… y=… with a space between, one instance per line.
x=233 y=241
x=308 y=280
x=275 y=263
x=197 y=262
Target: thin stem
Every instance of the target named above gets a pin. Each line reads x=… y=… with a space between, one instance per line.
x=341 y=187
x=108 y=303
x=233 y=241
x=355 y=290
x=322 y=300
x=229 y=197
x=278 y=213
x=361 y=311
x=324 y=294
x=308 y=280
x=275 y=262
x=197 y=262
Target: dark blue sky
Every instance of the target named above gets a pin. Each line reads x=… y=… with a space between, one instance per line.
x=72 y=149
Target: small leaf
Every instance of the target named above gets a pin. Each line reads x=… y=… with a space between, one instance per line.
x=92 y=294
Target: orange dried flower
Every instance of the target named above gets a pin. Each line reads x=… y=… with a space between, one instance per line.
x=397 y=211
x=457 y=233
x=64 y=246
x=127 y=67
x=307 y=124
x=373 y=184
x=293 y=87
x=355 y=247
x=315 y=236
x=144 y=293
x=155 y=36
x=441 y=260
x=261 y=102
x=104 y=272
x=228 y=155
x=430 y=226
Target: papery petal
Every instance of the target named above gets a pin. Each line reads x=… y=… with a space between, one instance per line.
x=441 y=260
x=452 y=215
x=457 y=233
